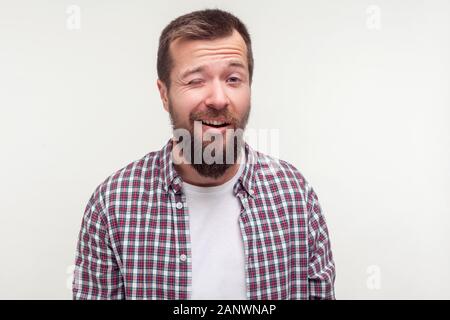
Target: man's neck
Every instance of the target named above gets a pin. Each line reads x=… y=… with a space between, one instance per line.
x=191 y=176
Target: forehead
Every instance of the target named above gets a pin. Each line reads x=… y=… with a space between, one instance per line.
x=187 y=53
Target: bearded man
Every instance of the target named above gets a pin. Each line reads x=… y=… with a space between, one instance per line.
x=207 y=216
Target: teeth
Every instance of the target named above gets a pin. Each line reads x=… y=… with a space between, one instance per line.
x=213 y=122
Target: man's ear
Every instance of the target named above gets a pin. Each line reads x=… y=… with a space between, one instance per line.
x=164 y=94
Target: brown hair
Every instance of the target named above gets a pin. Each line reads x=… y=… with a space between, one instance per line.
x=208 y=24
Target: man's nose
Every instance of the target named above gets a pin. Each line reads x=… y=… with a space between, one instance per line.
x=217 y=96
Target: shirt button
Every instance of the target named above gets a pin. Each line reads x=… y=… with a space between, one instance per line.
x=252 y=192
x=183 y=257
x=179 y=205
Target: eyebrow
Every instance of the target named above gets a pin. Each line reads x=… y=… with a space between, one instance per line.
x=232 y=63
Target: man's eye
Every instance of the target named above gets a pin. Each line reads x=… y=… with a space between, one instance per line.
x=195 y=81
x=234 y=79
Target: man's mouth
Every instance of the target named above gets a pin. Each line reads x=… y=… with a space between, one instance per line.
x=215 y=123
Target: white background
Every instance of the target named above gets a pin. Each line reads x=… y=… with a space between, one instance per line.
x=359 y=91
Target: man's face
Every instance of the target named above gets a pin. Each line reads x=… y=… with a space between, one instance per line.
x=209 y=82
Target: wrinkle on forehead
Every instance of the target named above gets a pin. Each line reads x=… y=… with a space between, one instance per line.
x=225 y=51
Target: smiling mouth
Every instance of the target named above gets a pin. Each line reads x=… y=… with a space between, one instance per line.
x=215 y=123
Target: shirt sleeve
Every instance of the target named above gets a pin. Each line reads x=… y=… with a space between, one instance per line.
x=321 y=267
x=96 y=275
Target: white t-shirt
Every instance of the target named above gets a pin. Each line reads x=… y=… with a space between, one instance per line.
x=218 y=259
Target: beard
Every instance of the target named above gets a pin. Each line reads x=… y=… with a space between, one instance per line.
x=229 y=148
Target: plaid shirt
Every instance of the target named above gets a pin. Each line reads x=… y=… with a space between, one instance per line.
x=134 y=241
